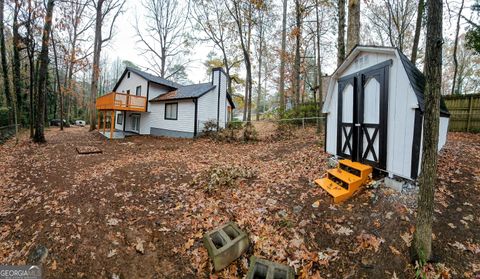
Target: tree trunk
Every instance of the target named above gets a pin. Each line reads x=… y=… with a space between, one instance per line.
x=296 y=66
x=42 y=76
x=259 y=87
x=318 y=104
x=6 y=82
x=418 y=30
x=341 y=32
x=17 y=79
x=96 y=61
x=353 y=30
x=58 y=82
x=455 y=59
x=281 y=90
x=433 y=74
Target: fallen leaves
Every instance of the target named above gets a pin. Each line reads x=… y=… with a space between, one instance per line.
x=369 y=241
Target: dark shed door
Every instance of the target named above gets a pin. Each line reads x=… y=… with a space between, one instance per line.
x=362 y=115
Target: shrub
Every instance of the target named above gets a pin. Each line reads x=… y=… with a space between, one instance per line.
x=209 y=127
x=249 y=132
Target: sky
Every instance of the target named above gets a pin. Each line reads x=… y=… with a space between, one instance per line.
x=124 y=45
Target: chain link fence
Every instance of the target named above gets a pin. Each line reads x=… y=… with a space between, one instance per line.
x=266 y=129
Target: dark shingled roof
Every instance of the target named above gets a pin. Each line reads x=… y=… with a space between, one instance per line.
x=418 y=82
x=149 y=77
x=186 y=92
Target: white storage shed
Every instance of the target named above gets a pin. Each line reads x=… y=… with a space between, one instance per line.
x=374 y=109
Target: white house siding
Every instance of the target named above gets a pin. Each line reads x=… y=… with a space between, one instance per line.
x=155 y=91
x=132 y=83
x=444 y=121
x=331 y=137
x=155 y=123
x=207 y=108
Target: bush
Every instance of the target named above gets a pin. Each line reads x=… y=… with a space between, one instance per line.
x=209 y=127
x=249 y=132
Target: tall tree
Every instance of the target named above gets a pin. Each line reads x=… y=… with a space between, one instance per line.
x=298 y=36
x=261 y=37
x=42 y=75
x=103 y=8
x=433 y=74
x=242 y=12
x=212 y=18
x=353 y=29
x=455 y=44
x=341 y=32
x=163 y=38
x=6 y=81
x=319 y=86
x=17 y=79
x=281 y=90
x=418 y=30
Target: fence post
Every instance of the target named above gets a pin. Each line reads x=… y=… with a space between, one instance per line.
x=303 y=123
x=469 y=117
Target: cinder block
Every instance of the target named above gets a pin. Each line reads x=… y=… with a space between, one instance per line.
x=394 y=184
x=225 y=244
x=263 y=269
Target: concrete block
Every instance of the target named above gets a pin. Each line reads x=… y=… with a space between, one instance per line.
x=263 y=269
x=332 y=162
x=394 y=184
x=225 y=244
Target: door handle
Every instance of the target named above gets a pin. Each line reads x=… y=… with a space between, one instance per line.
x=358 y=124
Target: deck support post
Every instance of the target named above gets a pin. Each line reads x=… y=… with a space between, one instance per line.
x=98 y=122
x=112 y=123
x=104 y=121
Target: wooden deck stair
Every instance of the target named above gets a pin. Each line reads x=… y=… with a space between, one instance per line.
x=344 y=180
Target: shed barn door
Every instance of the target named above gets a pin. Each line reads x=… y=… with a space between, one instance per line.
x=362 y=116
x=373 y=111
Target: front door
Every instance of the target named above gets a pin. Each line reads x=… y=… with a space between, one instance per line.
x=135 y=123
x=362 y=116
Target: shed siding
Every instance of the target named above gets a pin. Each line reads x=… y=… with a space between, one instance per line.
x=331 y=146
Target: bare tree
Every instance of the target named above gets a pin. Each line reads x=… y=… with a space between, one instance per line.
x=353 y=29
x=103 y=8
x=455 y=44
x=341 y=32
x=418 y=29
x=42 y=75
x=433 y=74
x=6 y=81
x=214 y=20
x=163 y=38
x=242 y=12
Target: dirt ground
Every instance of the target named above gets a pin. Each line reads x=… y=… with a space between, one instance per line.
x=140 y=209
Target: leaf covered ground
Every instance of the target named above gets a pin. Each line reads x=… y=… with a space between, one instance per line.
x=140 y=208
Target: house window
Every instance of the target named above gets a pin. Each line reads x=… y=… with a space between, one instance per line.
x=138 y=91
x=171 y=111
x=128 y=75
x=120 y=119
x=128 y=91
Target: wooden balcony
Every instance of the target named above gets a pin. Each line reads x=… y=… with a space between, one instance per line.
x=121 y=101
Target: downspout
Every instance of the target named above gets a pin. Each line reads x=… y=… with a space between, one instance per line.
x=195 y=118
x=218 y=103
x=148 y=93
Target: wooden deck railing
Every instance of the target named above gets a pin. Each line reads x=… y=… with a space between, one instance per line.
x=121 y=101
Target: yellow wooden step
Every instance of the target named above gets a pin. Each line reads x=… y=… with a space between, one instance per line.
x=338 y=193
x=364 y=170
x=344 y=176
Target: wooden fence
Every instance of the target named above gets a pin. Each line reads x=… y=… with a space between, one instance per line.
x=464 y=112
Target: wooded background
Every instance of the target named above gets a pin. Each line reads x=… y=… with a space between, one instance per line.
x=55 y=61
